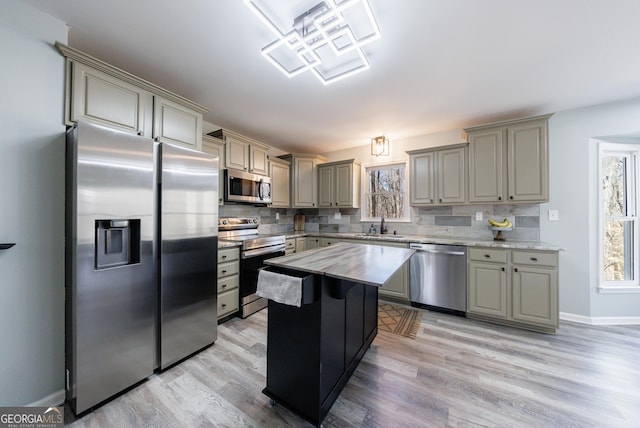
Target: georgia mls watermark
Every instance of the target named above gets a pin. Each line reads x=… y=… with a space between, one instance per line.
x=31 y=417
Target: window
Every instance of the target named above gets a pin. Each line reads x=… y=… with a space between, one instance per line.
x=619 y=215
x=385 y=193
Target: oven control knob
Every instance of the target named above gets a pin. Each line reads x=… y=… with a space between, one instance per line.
x=254 y=220
x=224 y=221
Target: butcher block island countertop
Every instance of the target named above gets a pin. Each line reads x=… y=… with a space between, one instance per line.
x=313 y=349
x=364 y=264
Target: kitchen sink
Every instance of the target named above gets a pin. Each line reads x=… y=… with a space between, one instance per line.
x=379 y=235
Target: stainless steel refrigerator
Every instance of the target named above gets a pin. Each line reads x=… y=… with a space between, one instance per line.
x=141 y=251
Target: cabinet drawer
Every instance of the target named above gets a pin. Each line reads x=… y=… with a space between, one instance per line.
x=290 y=244
x=228 y=254
x=228 y=269
x=228 y=283
x=228 y=302
x=535 y=258
x=488 y=255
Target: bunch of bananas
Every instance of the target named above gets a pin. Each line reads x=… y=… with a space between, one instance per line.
x=504 y=223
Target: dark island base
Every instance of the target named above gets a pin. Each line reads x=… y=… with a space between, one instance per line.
x=312 y=351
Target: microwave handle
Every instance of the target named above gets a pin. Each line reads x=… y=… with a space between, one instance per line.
x=260 y=190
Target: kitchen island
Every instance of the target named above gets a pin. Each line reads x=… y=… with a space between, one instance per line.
x=313 y=349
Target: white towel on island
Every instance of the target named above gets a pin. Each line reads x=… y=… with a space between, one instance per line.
x=280 y=288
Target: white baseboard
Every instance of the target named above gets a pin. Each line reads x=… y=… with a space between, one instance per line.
x=599 y=320
x=55 y=399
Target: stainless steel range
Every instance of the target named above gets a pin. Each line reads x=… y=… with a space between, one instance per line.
x=255 y=249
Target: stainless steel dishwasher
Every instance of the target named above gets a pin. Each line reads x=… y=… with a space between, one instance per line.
x=439 y=278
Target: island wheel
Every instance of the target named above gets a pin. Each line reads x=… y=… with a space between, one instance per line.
x=273 y=402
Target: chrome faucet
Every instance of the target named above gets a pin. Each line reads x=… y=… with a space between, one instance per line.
x=383 y=227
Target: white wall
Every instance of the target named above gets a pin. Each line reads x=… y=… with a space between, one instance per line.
x=31 y=207
x=573 y=191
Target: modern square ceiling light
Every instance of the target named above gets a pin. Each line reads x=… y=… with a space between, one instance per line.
x=380 y=146
x=326 y=39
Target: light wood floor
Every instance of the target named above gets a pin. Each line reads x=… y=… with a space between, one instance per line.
x=456 y=373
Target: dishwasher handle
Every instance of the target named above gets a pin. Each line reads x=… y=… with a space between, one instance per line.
x=421 y=249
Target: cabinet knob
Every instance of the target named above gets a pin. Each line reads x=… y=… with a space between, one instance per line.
x=510 y=197
x=499 y=198
x=534 y=259
x=224 y=305
x=487 y=256
x=224 y=271
x=503 y=269
x=431 y=200
x=224 y=257
x=440 y=199
x=140 y=133
x=224 y=285
x=515 y=269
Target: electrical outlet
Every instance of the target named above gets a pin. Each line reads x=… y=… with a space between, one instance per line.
x=277 y=218
x=337 y=216
x=478 y=215
x=553 y=215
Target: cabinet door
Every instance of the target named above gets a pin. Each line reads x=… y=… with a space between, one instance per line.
x=311 y=243
x=215 y=147
x=528 y=164
x=258 y=160
x=236 y=154
x=535 y=295
x=344 y=186
x=176 y=124
x=326 y=187
x=422 y=176
x=398 y=285
x=487 y=289
x=452 y=181
x=103 y=99
x=280 y=187
x=305 y=192
x=487 y=166
x=301 y=244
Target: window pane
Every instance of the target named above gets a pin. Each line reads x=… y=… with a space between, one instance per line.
x=614 y=191
x=389 y=205
x=385 y=192
x=618 y=250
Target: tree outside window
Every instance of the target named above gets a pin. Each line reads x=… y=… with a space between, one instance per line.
x=619 y=219
x=385 y=192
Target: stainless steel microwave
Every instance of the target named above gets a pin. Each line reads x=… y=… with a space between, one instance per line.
x=243 y=187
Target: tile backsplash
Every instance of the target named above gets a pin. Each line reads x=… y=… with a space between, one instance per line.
x=440 y=221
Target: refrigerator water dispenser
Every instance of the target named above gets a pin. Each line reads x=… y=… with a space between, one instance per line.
x=117 y=243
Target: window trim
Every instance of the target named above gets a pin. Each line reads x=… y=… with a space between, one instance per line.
x=363 y=192
x=633 y=190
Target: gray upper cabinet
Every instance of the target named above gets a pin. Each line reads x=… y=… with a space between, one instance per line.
x=280 y=183
x=509 y=161
x=176 y=124
x=243 y=153
x=438 y=176
x=339 y=184
x=215 y=146
x=100 y=93
x=304 y=179
x=103 y=99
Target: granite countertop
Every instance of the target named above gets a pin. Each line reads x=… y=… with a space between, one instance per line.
x=365 y=264
x=227 y=244
x=469 y=242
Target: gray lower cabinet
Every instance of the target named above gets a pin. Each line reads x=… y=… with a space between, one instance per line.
x=289 y=246
x=228 y=281
x=517 y=287
x=397 y=288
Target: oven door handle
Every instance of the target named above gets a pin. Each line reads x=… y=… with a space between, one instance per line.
x=262 y=251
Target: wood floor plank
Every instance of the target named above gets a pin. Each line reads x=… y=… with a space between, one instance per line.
x=458 y=372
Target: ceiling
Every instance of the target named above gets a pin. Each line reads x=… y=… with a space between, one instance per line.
x=439 y=65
